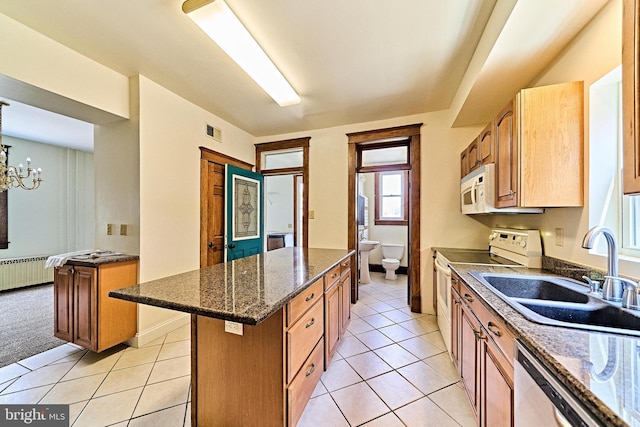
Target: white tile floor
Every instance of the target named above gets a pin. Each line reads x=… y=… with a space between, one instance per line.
x=391 y=369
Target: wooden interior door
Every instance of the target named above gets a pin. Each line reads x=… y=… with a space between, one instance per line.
x=215 y=217
x=212 y=215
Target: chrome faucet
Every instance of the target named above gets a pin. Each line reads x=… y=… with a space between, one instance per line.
x=612 y=287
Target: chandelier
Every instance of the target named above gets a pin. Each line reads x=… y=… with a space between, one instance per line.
x=11 y=176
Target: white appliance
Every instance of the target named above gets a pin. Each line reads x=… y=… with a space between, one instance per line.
x=478 y=193
x=508 y=247
x=541 y=399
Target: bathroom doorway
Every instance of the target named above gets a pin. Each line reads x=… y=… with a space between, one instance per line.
x=394 y=154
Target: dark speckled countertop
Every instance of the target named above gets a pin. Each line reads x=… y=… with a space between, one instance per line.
x=602 y=370
x=247 y=290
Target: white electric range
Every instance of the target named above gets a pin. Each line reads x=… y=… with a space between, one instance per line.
x=508 y=247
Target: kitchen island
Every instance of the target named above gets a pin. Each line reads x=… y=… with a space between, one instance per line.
x=263 y=329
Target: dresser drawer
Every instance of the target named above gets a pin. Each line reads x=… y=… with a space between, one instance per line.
x=303 y=302
x=331 y=278
x=304 y=383
x=302 y=338
x=345 y=266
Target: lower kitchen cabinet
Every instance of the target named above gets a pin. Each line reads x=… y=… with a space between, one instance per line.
x=83 y=312
x=337 y=307
x=480 y=344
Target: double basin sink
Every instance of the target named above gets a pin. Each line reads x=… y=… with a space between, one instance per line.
x=559 y=301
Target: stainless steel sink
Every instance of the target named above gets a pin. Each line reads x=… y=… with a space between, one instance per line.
x=544 y=288
x=559 y=301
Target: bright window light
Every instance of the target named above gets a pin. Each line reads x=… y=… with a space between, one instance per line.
x=218 y=21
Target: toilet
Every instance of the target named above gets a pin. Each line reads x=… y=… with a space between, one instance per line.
x=391 y=256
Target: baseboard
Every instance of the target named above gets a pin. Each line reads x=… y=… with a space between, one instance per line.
x=378 y=268
x=145 y=337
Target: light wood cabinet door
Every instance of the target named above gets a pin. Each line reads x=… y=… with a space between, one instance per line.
x=630 y=93
x=63 y=303
x=455 y=328
x=473 y=156
x=469 y=352
x=485 y=144
x=506 y=149
x=464 y=163
x=345 y=302
x=497 y=388
x=332 y=321
x=85 y=328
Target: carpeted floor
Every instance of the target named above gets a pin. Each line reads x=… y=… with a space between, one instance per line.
x=26 y=323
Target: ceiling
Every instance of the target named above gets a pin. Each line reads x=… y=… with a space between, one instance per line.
x=350 y=61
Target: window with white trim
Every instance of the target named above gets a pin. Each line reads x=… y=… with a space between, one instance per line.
x=607 y=205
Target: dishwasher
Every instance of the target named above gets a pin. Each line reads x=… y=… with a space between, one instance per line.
x=540 y=398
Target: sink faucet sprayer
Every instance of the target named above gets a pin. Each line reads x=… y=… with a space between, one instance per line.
x=612 y=287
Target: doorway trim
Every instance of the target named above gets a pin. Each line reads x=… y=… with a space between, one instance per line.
x=357 y=141
x=290 y=144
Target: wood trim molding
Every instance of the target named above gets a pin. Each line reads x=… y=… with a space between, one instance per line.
x=213 y=156
x=288 y=144
x=377 y=136
x=357 y=141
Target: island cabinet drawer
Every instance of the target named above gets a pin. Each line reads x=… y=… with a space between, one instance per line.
x=304 y=383
x=303 y=302
x=345 y=266
x=331 y=278
x=302 y=337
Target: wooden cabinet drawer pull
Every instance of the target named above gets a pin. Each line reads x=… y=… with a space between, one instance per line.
x=334 y=275
x=468 y=298
x=494 y=329
x=310 y=297
x=310 y=324
x=311 y=369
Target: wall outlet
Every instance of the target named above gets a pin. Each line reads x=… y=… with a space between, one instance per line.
x=559 y=236
x=123 y=229
x=233 y=327
x=109 y=229
x=311 y=214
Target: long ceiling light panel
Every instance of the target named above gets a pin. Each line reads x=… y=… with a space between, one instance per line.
x=217 y=20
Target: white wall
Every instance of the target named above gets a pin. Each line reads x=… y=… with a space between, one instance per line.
x=57 y=217
x=279 y=203
x=171 y=130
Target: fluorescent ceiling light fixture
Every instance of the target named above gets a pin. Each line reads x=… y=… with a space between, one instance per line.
x=219 y=22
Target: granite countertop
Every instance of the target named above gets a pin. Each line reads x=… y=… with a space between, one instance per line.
x=100 y=258
x=601 y=369
x=246 y=290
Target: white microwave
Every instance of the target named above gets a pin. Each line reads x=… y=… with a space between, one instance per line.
x=477 y=194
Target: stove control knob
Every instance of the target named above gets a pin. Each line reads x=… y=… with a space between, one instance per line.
x=493 y=236
x=523 y=243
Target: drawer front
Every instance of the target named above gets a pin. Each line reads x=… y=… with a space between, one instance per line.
x=304 y=383
x=345 y=266
x=302 y=338
x=303 y=302
x=331 y=278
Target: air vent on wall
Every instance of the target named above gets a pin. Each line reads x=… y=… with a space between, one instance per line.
x=214 y=132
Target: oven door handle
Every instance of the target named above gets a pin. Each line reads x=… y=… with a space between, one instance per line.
x=443 y=268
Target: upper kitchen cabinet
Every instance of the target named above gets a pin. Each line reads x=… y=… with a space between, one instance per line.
x=630 y=88
x=479 y=152
x=539 y=143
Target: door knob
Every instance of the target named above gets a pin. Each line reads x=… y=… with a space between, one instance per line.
x=210 y=244
x=230 y=246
